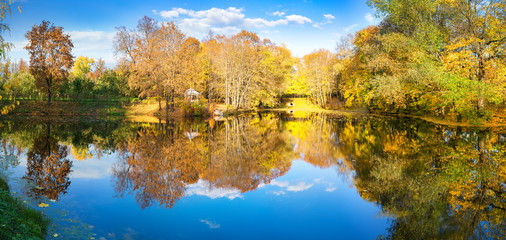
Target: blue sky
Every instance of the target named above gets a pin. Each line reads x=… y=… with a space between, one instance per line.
x=302 y=25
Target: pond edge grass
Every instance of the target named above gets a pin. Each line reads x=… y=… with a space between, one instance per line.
x=17 y=220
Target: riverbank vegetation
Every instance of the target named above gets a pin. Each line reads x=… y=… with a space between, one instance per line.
x=441 y=59
x=18 y=221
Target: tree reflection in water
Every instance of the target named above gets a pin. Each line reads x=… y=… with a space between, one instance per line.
x=433 y=181
x=47 y=166
x=160 y=162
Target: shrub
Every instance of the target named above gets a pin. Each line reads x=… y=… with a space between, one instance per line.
x=194 y=109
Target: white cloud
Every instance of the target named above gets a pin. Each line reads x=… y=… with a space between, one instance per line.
x=260 y=22
x=298 y=19
x=268 y=32
x=203 y=188
x=278 y=13
x=194 y=25
x=278 y=193
x=213 y=16
x=224 y=21
x=210 y=224
x=85 y=38
x=370 y=18
x=280 y=184
x=19 y=46
x=328 y=20
x=329 y=17
x=95 y=44
x=316 y=25
x=330 y=189
x=351 y=27
x=299 y=187
x=230 y=15
x=174 y=13
x=226 y=30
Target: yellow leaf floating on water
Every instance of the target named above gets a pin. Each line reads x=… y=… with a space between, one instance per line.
x=43 y=205
x=55 y=235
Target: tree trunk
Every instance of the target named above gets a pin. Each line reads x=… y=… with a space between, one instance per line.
x=172 y=100
x=166 y=102
x=481 y=76
x=49 y=97
x=159 y=103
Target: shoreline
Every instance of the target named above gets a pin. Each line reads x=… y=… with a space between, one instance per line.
x=148 y=110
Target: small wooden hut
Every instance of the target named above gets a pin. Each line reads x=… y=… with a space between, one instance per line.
x=191 y=95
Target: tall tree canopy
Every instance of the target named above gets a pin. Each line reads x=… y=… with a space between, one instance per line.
x=51 y=57
x=82 y=66
x=443 y=58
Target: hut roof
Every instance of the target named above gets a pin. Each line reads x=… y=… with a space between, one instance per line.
x=191 y=92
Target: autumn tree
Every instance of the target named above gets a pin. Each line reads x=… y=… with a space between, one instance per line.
x=162 y=59
x=189 y=53
x=175 y=53
x=451 y=53
x=5 y=10
x=50 y=56
x=209 y=80
x=100 y=69
x=82 y=66
x=318 y=70
x=477 y=42
x=276 y=74
x=22 y=66
x=124 y=43
x=148 y=75
x=244 y=67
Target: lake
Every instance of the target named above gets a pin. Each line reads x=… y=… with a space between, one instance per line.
x=261 y=176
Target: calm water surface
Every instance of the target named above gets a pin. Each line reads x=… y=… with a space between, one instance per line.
x=266 y=176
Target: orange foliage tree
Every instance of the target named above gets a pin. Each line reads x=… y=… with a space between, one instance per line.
x=50 y=56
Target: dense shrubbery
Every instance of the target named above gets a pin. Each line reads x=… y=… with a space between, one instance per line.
x=109 y=84
x=194 y=108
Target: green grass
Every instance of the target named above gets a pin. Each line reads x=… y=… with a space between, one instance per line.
x=17 y=221
x=88 y=107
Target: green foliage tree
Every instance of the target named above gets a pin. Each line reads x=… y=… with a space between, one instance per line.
x=442 y=58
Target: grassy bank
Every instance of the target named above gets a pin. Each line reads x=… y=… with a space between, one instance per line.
x=129 y=108
x=148 y=110
x=70 y=108
x=17 y=221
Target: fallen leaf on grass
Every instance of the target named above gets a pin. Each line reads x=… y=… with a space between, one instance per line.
x=42 y=205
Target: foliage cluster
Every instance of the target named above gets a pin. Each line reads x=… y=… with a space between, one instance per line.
x=241 y=70
x=442 y=58
x=194 y=109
